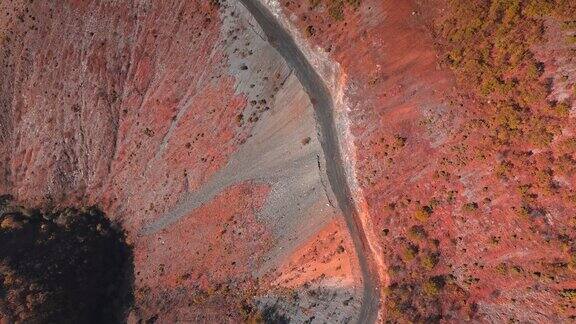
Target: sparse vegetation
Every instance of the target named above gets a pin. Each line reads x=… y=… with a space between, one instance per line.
x=410 y=252
x=270 y=314
x=490 y=47
x=429 y=260
x=513 y=125
x=336 y=8
x=470 y=207
x=417 y=232
x=569 y=294
x=423 y=213
x=433 y=286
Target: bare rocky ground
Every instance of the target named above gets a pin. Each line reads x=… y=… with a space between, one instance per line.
x=181 y=122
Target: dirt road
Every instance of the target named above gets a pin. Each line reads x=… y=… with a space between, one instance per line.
x=325 y=118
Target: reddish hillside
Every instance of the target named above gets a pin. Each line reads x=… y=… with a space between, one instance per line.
x=470 y=188
x=184 y=125
x=317 y=161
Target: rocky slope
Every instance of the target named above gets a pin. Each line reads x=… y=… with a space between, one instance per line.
x=182 y=123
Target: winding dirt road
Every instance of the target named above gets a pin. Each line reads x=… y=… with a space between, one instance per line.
x=323 y=104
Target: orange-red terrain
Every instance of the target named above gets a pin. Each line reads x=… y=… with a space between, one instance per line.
x=306 y=161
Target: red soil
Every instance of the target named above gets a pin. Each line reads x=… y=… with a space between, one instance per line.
x=130 y=106
x=430 y=184
x=123 y=137
x=205 y=260
x=327 y=256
